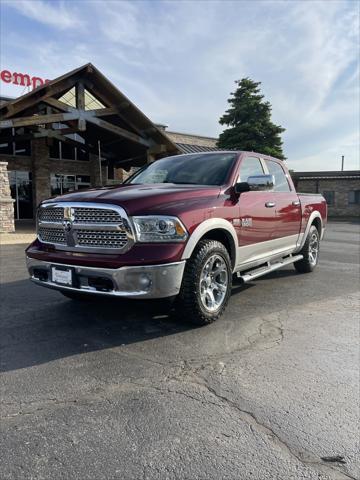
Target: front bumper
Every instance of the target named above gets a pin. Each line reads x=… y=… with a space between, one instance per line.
x=147 y=281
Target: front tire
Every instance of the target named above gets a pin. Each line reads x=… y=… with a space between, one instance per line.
x=310 y=252
x=206 y=285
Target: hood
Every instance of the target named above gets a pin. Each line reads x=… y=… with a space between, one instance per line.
x=162 y=198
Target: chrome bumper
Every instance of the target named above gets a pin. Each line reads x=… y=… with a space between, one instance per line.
x=148 y=281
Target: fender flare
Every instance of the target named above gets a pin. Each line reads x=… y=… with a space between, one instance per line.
x=205 y=227
x=302 y=237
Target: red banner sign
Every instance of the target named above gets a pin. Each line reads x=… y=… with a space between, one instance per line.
x=21 y=79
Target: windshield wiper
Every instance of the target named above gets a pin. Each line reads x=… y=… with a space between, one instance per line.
x=186 y=183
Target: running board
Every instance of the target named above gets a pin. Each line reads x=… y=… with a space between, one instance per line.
x=259 y=272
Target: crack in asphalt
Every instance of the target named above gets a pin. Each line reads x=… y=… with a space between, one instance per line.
x=251 y=419
x=189 y=375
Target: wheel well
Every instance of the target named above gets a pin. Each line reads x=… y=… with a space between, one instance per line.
x=225 y=238
x=317 y=223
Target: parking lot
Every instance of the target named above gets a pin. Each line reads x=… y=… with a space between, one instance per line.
x=121 y=390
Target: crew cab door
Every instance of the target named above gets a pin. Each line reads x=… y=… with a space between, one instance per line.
x=256 y=214
x=286 y=226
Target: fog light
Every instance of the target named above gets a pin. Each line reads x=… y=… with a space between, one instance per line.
x=144 y=280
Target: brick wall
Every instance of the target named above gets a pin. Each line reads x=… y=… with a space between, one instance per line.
x=6 y=202
x=341 y=188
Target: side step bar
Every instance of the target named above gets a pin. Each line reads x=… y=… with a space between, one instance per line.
x=259 y=272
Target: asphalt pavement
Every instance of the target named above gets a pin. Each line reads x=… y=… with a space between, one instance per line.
x=121 y=390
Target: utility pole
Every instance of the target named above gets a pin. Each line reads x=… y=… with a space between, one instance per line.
x=342 y=163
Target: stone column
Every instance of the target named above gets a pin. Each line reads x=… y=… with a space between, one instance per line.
x=7 y=223
x=40 y=170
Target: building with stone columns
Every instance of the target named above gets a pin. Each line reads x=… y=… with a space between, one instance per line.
x=74 y=132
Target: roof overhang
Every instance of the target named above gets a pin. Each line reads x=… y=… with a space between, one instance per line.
x=85 y=102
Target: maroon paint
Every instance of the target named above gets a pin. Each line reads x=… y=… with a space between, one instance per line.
x=193 y=205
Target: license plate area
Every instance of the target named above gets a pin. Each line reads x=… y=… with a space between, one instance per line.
x=62 y=276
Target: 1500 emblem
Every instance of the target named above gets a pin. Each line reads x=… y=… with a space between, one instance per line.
x=246 y=222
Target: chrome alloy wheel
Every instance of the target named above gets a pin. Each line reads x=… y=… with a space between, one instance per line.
x=313 y=249
x=213 y=283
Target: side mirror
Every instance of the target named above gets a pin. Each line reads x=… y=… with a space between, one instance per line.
x=261 y=182
x=242 y=187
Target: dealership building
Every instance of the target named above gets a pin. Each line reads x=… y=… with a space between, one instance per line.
x=79 y=131
x=71 y=133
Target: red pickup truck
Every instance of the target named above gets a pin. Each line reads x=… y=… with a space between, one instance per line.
x=180 y=227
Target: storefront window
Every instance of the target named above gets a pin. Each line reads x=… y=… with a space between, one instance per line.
x=11 y=146
x=21 y=192
x=66 y=151
x=61 y=184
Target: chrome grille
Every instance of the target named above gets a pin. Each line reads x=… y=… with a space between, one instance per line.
x=100 y=238
x=52 y=235
x=85 y=227
x=55 y=214
x=96 y=215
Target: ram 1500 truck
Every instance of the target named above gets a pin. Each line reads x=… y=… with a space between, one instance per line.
x=181 y=227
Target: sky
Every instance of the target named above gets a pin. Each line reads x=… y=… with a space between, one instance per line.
x=178 y=60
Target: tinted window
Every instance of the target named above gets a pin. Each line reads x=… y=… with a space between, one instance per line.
x=354 y=197
x=281 y=183
x=250 y=166
x=197 y=169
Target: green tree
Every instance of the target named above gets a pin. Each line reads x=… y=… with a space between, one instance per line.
x=249 y=122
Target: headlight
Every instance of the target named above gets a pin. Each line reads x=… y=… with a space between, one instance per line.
x=159 y=228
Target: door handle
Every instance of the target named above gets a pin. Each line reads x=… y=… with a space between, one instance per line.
x=296 y=203
x=270 y=204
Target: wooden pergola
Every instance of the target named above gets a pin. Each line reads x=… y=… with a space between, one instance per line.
x=85 y=102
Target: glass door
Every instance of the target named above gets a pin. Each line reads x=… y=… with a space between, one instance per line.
x=21 y=192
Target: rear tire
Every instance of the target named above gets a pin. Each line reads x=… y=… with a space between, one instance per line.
x=310 y=252
x=206 y=285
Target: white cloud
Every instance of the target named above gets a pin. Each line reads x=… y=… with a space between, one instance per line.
x=61 y=15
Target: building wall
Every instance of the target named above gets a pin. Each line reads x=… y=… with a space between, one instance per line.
x=41 y=168
x=6 y=202
x=341 y=189
x=190 y=139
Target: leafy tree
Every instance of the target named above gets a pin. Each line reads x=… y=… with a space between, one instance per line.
x=249 y=122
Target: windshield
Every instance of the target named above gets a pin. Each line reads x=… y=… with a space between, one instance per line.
x=195 y=169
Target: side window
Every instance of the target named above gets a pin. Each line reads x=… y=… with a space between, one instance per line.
x=281 y=183
x=250 y=166
x=354 y=197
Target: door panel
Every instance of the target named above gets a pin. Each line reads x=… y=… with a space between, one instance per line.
x=288 y=214
x=287 y=207
x=255 y=219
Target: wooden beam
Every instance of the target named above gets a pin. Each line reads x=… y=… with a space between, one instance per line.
x=80 y=104
x=121 y=132
x=39 y=120
x=70 y=141
x=98 y=112
x=80 y=96
x=33 y=98
x=63 y=107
